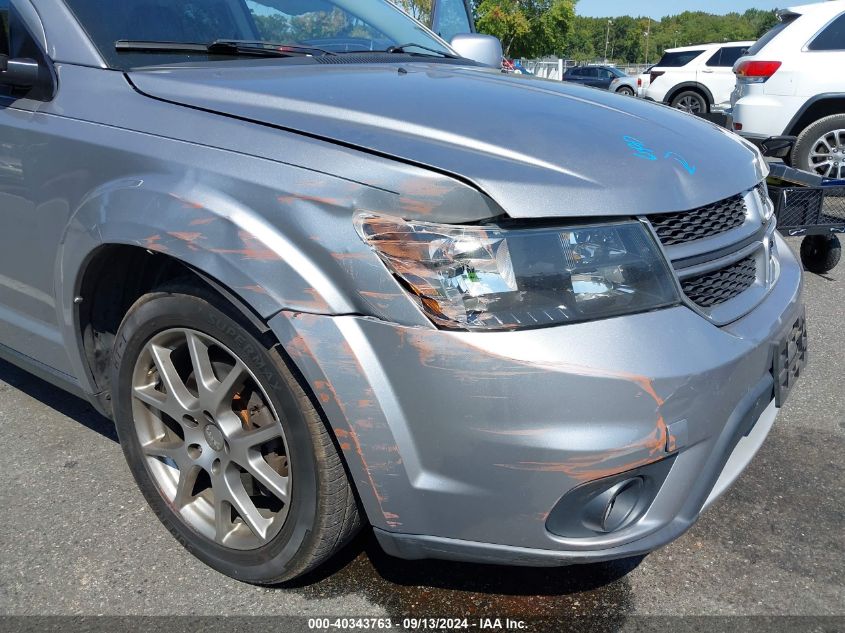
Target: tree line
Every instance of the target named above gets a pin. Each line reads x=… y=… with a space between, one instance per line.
x=625 y=40
x=537 y=28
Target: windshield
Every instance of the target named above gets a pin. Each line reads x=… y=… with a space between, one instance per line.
x=339 y=26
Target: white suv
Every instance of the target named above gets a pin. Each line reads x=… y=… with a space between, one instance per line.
x=696 y=78
x=792 y=83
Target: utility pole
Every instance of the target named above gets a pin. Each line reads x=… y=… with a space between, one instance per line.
x=607 y=40
x=647 y=33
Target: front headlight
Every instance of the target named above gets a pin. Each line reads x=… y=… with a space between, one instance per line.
x=488 y=277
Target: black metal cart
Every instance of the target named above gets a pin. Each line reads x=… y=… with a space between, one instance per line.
x=808 y=205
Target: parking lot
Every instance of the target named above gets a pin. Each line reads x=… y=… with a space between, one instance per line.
x=77 y=537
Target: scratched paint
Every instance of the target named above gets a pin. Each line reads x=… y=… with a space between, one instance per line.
x=365 y=433
x=253 y=249
x=186 y=236
x=331 y=202
x=201 y=221
x=187 y=204
x=472 y=365
x=153 y=243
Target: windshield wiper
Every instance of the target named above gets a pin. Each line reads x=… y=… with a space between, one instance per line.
x=220 y=47
x=400 y=48
x=271 y=46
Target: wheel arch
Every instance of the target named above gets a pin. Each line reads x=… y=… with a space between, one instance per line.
x=689 y=85
x=114 y=277
x=133 y=232
x=97 y=320
x=814 y=109
x=132 y=235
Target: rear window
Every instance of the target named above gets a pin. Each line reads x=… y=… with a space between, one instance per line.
x=772 y=33
x=678 y=59
x=832 y=38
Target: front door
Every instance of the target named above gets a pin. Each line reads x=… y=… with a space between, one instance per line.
x=31 y=219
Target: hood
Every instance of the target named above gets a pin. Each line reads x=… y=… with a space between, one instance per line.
x=538 y=148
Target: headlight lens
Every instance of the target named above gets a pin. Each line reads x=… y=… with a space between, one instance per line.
x=486 y=277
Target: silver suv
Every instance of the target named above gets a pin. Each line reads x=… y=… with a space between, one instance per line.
x=290 y=248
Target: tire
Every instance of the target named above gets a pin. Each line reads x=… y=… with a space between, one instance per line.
x=820 y=148
x=300 y=505
x=691 y=101
x=625 y=90
x=820 y=253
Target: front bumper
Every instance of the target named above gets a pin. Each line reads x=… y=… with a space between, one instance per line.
x=461 y=444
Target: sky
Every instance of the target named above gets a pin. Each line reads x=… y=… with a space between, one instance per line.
x=659 y=8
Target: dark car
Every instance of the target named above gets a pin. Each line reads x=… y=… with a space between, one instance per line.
x=594 y=76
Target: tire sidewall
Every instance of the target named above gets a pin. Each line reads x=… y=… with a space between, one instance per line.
x=157 y=313
x=800 y=157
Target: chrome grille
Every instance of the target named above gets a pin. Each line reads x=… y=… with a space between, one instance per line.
x=706 y=221
x=718 y=286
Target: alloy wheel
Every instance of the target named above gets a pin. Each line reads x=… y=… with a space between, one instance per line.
x=211 y=439
x=827 y=155
x=689 y=103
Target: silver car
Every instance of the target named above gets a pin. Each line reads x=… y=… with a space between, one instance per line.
x=626 y=85
x=290 y=249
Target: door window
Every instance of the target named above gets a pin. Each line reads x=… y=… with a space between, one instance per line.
x=451 y=19
x=417 y=9
x=4 y=27
x=726 y=57
x=832 y=38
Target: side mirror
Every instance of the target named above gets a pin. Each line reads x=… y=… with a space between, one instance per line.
x=484 y=49
x=21 y=73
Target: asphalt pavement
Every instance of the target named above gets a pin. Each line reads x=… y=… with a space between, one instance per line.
x=76 y=537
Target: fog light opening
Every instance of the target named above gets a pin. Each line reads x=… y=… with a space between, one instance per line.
x=609 y=504
x=623 y=500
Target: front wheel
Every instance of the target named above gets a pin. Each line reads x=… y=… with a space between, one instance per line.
x=820 y=253
x=625 y=90
x=223 y=442
x=691 y=101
